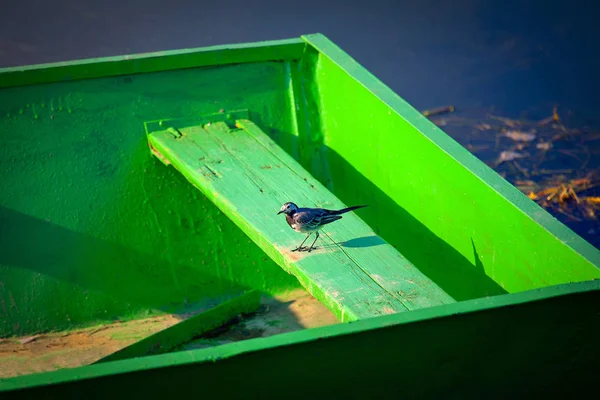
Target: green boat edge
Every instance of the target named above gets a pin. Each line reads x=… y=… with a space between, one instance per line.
x=231 y=350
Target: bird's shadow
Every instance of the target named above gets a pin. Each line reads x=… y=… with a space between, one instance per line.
x=365 y=241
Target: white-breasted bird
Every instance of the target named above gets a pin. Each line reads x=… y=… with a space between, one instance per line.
x=310 y=220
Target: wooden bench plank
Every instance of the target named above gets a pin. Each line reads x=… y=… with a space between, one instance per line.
x=190 y=327
x=248 y=177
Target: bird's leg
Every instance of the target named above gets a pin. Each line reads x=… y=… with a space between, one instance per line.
x=300 y=248
x=311 y=248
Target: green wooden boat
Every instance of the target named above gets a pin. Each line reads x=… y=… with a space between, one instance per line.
x=138 y=221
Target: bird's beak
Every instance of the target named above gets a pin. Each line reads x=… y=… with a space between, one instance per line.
x=279 y=212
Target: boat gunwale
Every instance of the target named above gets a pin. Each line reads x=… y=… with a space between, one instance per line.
x=230 y=350
x=453 y=149
x=157 y=61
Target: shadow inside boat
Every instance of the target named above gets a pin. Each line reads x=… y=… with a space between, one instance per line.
x=365 y=241
x=360 y=242
x=109 y=280
x=122 y=274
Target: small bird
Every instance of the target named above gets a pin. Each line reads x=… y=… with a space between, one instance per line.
x=309 y=220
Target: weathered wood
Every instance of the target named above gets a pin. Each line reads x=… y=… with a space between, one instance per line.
x=248 y=176
x=184 y=331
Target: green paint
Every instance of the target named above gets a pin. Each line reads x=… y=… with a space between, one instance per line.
x=189 y=328
x=541 y=341
x=93 y=228
x=458 y=221
x=356 y=273
x=288 y=49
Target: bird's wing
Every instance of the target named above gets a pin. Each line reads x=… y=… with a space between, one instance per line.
x=308 y=218
x=315 y=217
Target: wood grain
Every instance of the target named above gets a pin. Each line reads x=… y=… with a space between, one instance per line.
x=354 y=272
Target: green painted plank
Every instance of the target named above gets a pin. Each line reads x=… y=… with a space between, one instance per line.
x=176 y=335
x=354 y=272
x=275 y=50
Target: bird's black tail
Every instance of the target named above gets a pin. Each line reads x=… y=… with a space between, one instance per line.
x=345 y=210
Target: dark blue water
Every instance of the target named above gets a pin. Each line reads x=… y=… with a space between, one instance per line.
x=517 y=56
